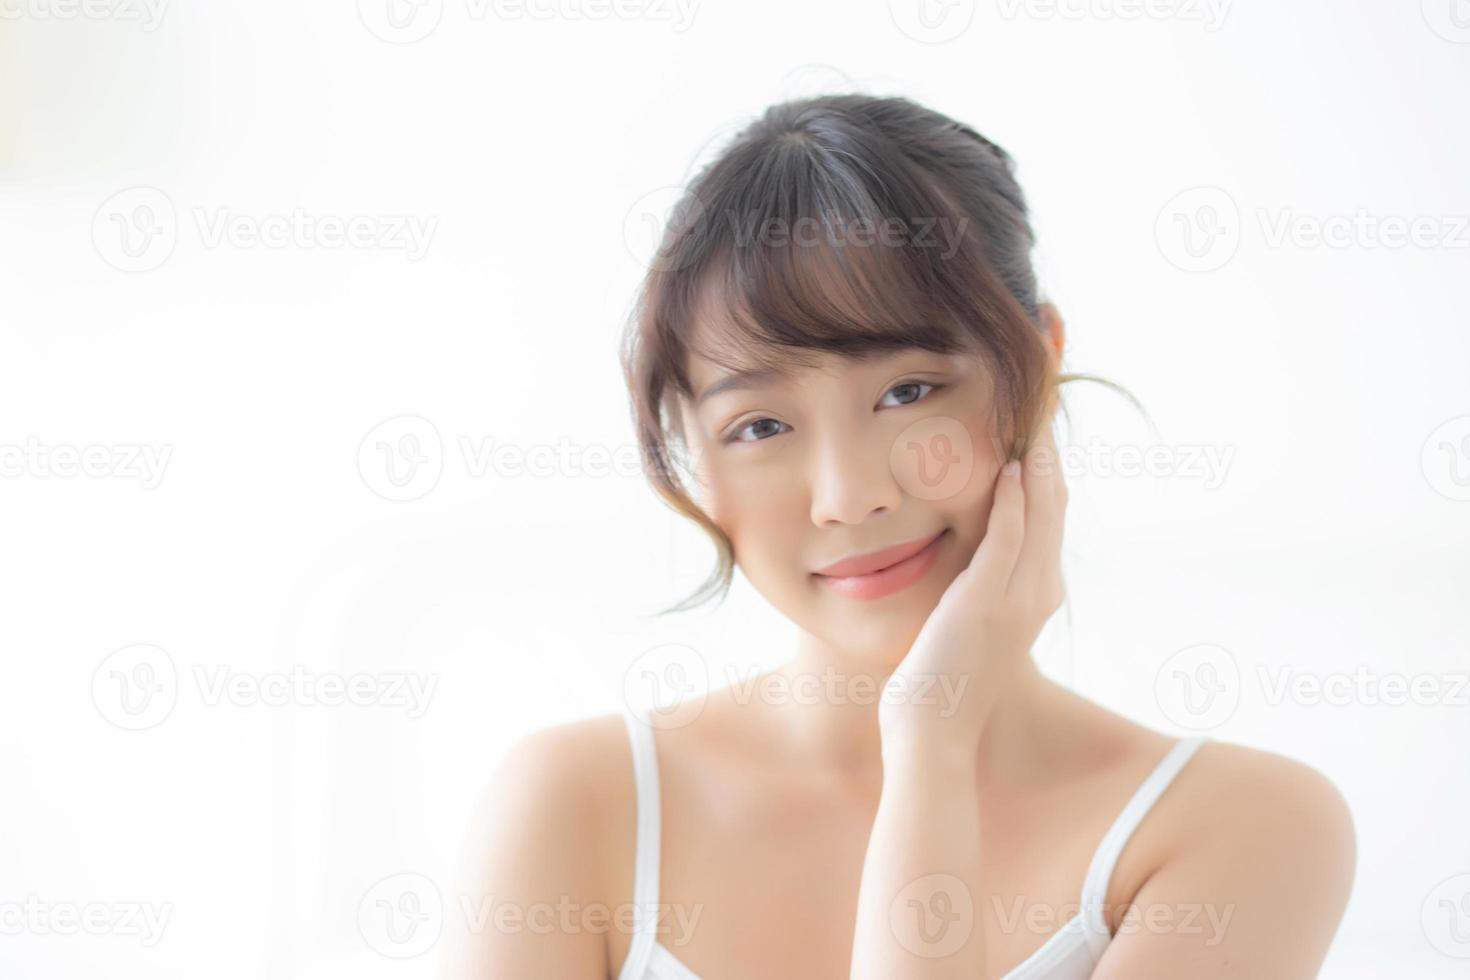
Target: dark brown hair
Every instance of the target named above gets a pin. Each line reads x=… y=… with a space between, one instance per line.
x=947 y=268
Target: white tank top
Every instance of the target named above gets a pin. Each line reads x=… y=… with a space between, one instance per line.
x=1071 y=953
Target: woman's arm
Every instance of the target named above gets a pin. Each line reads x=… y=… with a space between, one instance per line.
x=920 y=881
x=921 y=874
x=532 y=869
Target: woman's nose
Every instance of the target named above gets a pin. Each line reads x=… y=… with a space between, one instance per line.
x=851 y=479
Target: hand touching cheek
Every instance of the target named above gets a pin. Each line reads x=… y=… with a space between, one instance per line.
x=950 y=464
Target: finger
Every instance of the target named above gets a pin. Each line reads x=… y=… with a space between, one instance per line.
x=1043 y=486
x=995 y=558
x=1052 y=574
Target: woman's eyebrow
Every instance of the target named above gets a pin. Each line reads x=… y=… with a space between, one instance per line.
x=743 y=379
x=758 y=377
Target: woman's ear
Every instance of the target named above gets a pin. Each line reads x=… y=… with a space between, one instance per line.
x=1056 y=335
x=1056 y=338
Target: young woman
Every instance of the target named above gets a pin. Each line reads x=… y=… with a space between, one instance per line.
x=842 y=344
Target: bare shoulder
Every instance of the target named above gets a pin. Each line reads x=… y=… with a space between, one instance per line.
x=568 y=789
x=1252 y=870
x=560 y=767
x=1230 y=796
x=1258 y=798
x=537 y=856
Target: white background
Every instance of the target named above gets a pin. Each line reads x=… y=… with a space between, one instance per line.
x=533 y=146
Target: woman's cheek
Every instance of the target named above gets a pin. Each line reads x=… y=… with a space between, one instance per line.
x=952 y=464
x=945 y=461
x=712 y=481
x=741 y=507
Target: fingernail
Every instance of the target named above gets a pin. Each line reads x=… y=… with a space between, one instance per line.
x=1011 y=468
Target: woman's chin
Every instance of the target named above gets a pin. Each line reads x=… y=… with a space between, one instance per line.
x=881 y=632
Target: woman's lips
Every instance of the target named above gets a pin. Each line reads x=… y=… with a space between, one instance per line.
x=885 y=581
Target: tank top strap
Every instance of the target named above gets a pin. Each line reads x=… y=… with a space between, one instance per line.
x=1100 y=870
x=646 y=844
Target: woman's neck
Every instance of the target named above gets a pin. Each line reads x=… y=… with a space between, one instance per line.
x=826 y=711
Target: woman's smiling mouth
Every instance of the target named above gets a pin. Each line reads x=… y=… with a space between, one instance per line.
x=882 y=573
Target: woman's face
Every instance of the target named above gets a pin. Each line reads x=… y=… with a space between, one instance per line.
x=851 y=457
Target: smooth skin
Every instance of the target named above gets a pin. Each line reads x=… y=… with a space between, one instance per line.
x=791 y=826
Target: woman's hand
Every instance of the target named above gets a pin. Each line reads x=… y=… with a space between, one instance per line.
x=923 y=854
x=989 y=616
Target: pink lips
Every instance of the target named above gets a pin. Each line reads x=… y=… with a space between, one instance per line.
x=881 y=573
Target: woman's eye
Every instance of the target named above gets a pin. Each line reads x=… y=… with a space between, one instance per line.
x=763 y=427
x=908 y=385
x=754 y=425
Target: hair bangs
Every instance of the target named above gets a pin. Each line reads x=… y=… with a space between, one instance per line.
x=773 y=306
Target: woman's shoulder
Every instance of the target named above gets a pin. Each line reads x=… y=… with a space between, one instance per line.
x=1234 y=820
x=560 y=797
x=572 y=761
x=1239 y=790
x=569 y=783
x=1266 y=805
x=1271 y=834
x=1223 y=783
x=537 y=851
x=551 y=839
